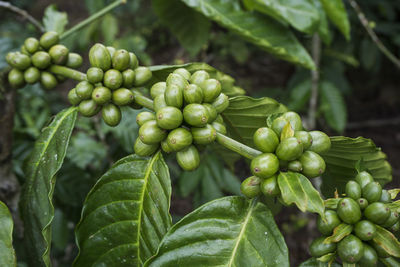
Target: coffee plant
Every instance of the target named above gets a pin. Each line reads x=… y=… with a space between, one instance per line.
x=125 y=220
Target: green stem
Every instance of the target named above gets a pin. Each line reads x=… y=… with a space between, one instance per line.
x=67 y=72
x=142 y=100
x=237 y=147
x=92 y=18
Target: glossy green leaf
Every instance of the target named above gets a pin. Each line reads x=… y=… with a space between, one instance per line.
x=313 y=262
x=37 y=210
x=54 y=20
x=296 y=188
x=395 y=205
x=333 y=106
x=246 y=114
x=336 y=12
x=230 y=231
x=126 y=213
x=161 y=72
x=301 y=15
x=7 y=253
x=190 y=27
x=300 y=95
x=255 y=28
x=341 y=162
x=340 y=232
x=386 y=240
x=323 y=29
x=331 y=203
x=390 y=262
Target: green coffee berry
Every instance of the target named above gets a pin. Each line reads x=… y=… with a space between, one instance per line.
x=144 y=150
x=353 y=190
x=73 y=98
x=142 y=75
x=318 y=248
x=74 y=60
x=150 y=133
x=219 y=127
x=365 y=230
x=195 y=115
x=84 y=89
x=204 y=135
x=10 y=56
x=31 y=75
x=158 y=89
x=129 y=78
x=348 y=210
x=122 y=97
x=99 y=57
x=211 y=89
x=113 y=79
x=121 y=60
x=41 y=60
x=289 y=149
x=377 y=212
x=369 y=258
x=320 y=142
x=395 y=228
x=49 y=39
x=294 y=119
x=295 y=166
x=305 y=138
x=24 y=51
x=59 y=54
x=220 y=119
x=193 y=94
x=165 y=147
x=144 y=116
x=212 y=112
x=278 y=124
x=331 y=221
x=350 y=249
x=173 y=96
x=363 y=178
x=372 y=192
x=313 y=164
x=179 y=139
x=111 y=50
x=221 y=102
x=363 y=203
x=101 y=95
x=16 y=78
x=183 y=72
x=269 y=187
x=48 y=80
x=393 y=218
x=385 y=197
x=177 y=80
x=199 y=77
x=250 y=187
x=169 y=117
x=134 y=63
x=88 y=108
x=159 y=102
x=111 y=114
x=264 y=165
x=31 y=45
x=95 y=75
x=20 y=61
x=188 y=158
x=265 y=140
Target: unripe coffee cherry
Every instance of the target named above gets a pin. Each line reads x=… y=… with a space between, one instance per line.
x=305 y=139
x=111 y=114
x=221 y=103
x=211 y=89
x=101 y=95
x=318 y=248
x=372 y=192
x=121 y=60
x=159 y=102
x=41 y=60
x=385 y=197
x=265 y=140
x=142 y=76
x=59 y=54
x=179 y=139
x=31 y=45
x=212 y=112
x=369 y=258
x=177 y=80
x=20 y=61
x=122 y=97
x=134 y=63
x=193 y=94
x=331 y=221
x=269 y=187
x=348 y=210
x=111 y=50
x=88 y=108
x=353 y=190
x=129 y=78
x=150 y=133
x=73 y=98
x=84 y=89
x=95 y=75
x=100 y=57
x=294 y=119
x=113 y=79
x=199 y=77
x=320 y=142
x=363 y=203
x=165 y=147
x=363 y=178
x=169 y=117
x=49 y=39
x=195 y=115
x=264 y=165
x=48 y=80
x=289 y=149
x=350 y=249
x=219 y=127
x=278 y=124
x=365 y=230
x=173 y=96
x=16 y=78
x=250 y=187
x=204 y=135
x=158 y=89
x=144 y=150
x=313 y=164
x=74 y=60
x=31 y=75
x=188 y=158
x=183 y=72
x=144 y=116
x=295 y=166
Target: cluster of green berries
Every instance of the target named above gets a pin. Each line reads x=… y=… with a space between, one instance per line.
x=364 y=206
x=109 y=81
x=286 y=146
x=30 y=65
x=187 y=108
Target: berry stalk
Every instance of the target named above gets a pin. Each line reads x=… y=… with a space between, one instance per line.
x=68 y=72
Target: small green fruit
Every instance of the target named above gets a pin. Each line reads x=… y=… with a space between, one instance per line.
x=331 y=221
x=365 y=230
x=377 y=212
x=395 y=227
x=264 y=165
x=313 y=164
x=48 y=80
x=111 y=114
x=179 y=139
x=134 y=62
x=363 y=203
x=320 y=142
x=177 y=80
x=250 y=187
x=121 y=60
x=372 y=192
x=269 y=187
x=265 y=140
x=158 y=89
x=169 y=117
x=74 y=60
x=95 y=75
x=144 y=150
x=221 y=103
x=349 y=210
x=199 y=77
x=31 y=45
x=111 y=50
x=24 y=51
x=204 y=135
x=211 y=89
x=73 y=98
x=84 y=90
x=113 y=79
x=295 y=166
x=193 y=94
x=195 y=115
x=363 y=178
x=16 y=78
x=173 y=95
x=393 y=218
x=144 y=116
x=159 y=102
x=305 y=139
x=122 y=97
x=188 y=158
x=183 y=72
x=41 y=60
x=289 y=149
x=101 y=95
x=318 y=248
x=353 y=190
x=129 y=78
x=20 y=61
x=99 y=57
x=219 y=119
x=278 y=124
x=59 y=54
x=294 y=119
x=49 y=39
x=150 y=133
x=88 y=108
x=32 y=75
x=385 y=197
x=350 y=249
x=219 y=127
x=142 y=75
x=369 y=258
x=212 y=112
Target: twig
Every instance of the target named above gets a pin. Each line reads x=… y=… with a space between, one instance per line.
x=22 y=13
x=316 y=55
x=373 y=35
x=373 y=123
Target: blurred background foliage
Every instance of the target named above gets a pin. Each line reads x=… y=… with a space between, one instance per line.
x=358 y=92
